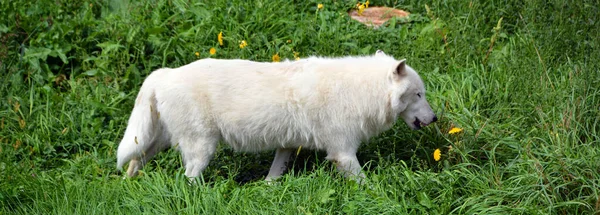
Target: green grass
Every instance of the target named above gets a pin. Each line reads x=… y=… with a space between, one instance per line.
x=526 y=94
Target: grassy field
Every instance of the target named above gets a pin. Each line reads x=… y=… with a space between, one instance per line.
x=521 y=78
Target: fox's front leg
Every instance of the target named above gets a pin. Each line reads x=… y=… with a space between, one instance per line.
x=282 y=156
x=348 y=164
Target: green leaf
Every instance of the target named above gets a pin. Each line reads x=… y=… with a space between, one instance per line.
x=37 y=53
x=108 y=47
x=91 y=72
x=366 y=50
x=424 y=200
x=325 y=196
x=4 y=28
x=156 y=30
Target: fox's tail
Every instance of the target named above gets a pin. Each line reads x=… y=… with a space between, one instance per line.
x=141 y=128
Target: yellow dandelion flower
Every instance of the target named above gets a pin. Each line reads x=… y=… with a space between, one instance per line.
x=220 y=38
x=320 y=6
x=437 y=154
x=243 y=44
x=197 y=54
x=212 y=51
x=455 y=130
x=367 y=4
x=276 y=58
x=361 y=8
x=297 y=55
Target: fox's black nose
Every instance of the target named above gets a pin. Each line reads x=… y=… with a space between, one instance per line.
x=434 y=119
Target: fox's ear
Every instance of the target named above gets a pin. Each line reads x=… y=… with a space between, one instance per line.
x=379 y=53
x=400 y=70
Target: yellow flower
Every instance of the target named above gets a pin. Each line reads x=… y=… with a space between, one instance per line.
x=212 y=51
x=437 y=154
x=361 y=8
x=455 y=130
x=220 y=38
x=296 y=55
x=320 y=6
x=276 y=58
x=197 y=54
x=367 y=4
x=243 y=44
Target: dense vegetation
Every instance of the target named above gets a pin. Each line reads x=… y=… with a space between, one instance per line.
x=520 y=78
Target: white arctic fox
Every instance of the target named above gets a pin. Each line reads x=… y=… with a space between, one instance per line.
x=330 y=104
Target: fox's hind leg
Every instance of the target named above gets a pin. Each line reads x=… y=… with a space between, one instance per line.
x=197 y=153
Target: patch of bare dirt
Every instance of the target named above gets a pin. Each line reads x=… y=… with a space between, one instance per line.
x=376 y=16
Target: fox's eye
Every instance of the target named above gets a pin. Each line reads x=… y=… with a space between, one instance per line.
x=419 y=95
